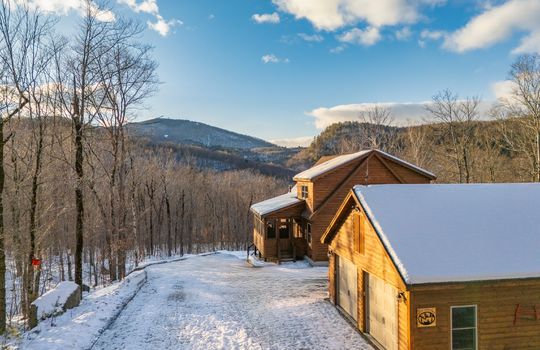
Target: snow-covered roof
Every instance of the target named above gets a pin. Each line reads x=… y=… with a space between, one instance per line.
x=447 y=233
x=407 y=164
x=280 y=202
x=336 y=162
x=329 y=165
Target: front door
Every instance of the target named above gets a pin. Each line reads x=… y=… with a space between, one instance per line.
x=382 y=312
x=347 y=286
x=285 y=241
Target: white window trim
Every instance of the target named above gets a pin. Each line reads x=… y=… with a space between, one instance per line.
x=475 y=325
x=304 y=194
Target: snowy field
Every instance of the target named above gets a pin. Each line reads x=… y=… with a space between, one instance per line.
x=220 y=302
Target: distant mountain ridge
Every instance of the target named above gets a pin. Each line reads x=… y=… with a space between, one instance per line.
x=211 y=147
x=194 y=133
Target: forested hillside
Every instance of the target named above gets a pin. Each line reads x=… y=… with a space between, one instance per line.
x=83 y=199
x=459 y=145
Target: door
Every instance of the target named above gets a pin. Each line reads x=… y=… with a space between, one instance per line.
x=382 y=310
x=284 y=232
x=347 y=286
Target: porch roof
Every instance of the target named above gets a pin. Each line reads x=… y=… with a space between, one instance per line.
x=278 y=203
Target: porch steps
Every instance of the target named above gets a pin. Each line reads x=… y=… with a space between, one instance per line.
x=286 y=257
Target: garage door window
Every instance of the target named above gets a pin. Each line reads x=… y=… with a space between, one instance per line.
x=464 y=327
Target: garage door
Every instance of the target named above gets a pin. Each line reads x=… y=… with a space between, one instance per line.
x=382 y=312
x=347 y=287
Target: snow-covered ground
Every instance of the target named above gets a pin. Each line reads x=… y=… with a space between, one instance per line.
x=215 y=301
x=220 y=302
x=79 y=327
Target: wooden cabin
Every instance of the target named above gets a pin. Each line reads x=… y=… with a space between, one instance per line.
x=439 y=267
x=290 y=226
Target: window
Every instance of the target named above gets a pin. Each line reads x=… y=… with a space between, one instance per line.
x=358 y=232
x=305 y=192
x=308 y=233
x=270 y=231
x=283 y=231
x=464 y=327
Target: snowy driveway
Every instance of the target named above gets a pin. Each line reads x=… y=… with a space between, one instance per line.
x=218 y=302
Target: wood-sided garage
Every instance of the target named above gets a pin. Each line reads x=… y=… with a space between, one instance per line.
x=439 y=266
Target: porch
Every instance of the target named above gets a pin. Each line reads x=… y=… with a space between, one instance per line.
x=278 y=233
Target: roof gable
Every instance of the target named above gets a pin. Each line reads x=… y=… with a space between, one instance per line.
x=451 y=233
x=327 y=166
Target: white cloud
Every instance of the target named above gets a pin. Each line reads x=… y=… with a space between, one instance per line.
x=337 y=49
x=529 y=44
x=294 y=142
x=503 y=90
x=432 y=34
x=335 y=14
x=401 y=112
x=271 y=58
x=64 y=7
x=367 y=37
x=498 y=23
x=146 y=6
x=403 y=34
x=150 y=7
x=160 y=25
x=61 y=7
x=427 y=34
x=266 y=18
x=312 y=37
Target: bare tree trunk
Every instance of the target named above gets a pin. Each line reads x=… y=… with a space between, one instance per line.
x=2 y=244
x=79 y=198
x=33 y=291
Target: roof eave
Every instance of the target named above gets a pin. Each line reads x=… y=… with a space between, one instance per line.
x=372 y=220
x=313 y=178
x=266 y=214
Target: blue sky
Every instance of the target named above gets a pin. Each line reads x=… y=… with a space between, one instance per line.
x=285 y=69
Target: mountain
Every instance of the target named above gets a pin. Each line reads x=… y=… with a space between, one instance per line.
x=214 y=148
x=347 y=137
x=188 y=132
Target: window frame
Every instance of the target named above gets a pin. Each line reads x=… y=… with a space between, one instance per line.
x=286 y=226
x=358 y=232
x=268 y=224
x=304 y=191
x=464 y=328
x=309 y=238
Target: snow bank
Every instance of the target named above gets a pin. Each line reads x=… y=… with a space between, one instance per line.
x=79 y=327
x=52 y=302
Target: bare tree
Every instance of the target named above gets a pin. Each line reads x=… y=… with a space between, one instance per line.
x=78 y=78
x=456 y=125
x=127 y=76
x=521 y=112
x=379 y=128
x=16 y=39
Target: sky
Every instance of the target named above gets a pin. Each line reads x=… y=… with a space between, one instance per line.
x=283 y=70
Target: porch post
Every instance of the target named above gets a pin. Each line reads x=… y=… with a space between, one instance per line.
x=276 y=228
